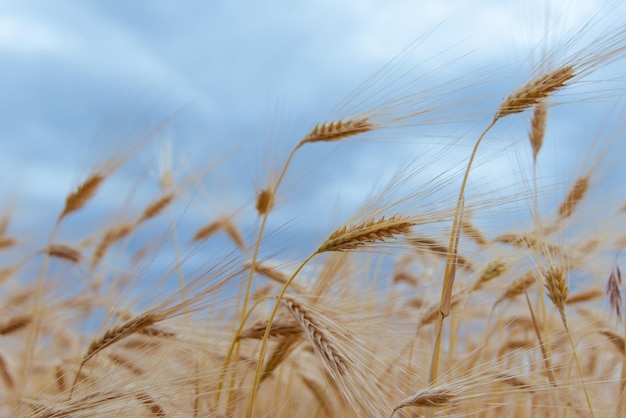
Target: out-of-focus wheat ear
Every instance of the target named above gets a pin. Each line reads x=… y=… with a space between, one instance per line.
x=614 y=291
x=265 y=202
x=156 y=207
x=317 y=335
x=206 y=231
x=320 y=395
x=534 y=91
x=492 y=270
x=279 y=328
x=119 y=332
x=430 y=397
x=473 y=233
x=149 y=402
x=59 y=378
x=85 y=191
x=7 y=272
x=282 y=350
x=4 y=224
x=121 y=361
x=557 y=288
x=440 y=250
x=616 y=339
x=111 y=237
x=585 y=296
x=233 y=233
x=15 y=324
x=574 y=197
x=272 y=273
x=405 y=276
x=373 y=231
x=538 y=126
x=519 y=286
x=64 y=252
x=334 y=131
x=5 y=373
x=7 y=242
x=515 y=381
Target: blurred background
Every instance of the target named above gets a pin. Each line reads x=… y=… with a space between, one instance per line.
x=233 y=86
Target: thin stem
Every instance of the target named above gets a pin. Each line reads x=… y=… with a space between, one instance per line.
x=580 y=370
x=448 y=281
x=255 y=257
x=259 y=365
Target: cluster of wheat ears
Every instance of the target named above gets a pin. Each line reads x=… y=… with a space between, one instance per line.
x=407 y=309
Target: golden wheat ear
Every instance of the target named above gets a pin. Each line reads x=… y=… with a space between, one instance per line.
x=535 y=91
x=370 y=232
x=83 y=193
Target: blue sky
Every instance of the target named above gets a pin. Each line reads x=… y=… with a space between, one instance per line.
x=76 y=75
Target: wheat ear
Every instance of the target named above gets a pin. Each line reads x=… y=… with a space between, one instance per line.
x=375 y=230
x=64 y=252
x=15 y=324
x=534 y=91
x=574 y=197
x=558 y=290
x=429 y=397
x=333 y=131
x=538 y=126
x=85 y=191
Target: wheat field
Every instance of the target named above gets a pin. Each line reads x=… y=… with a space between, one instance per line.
x=479 y=277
